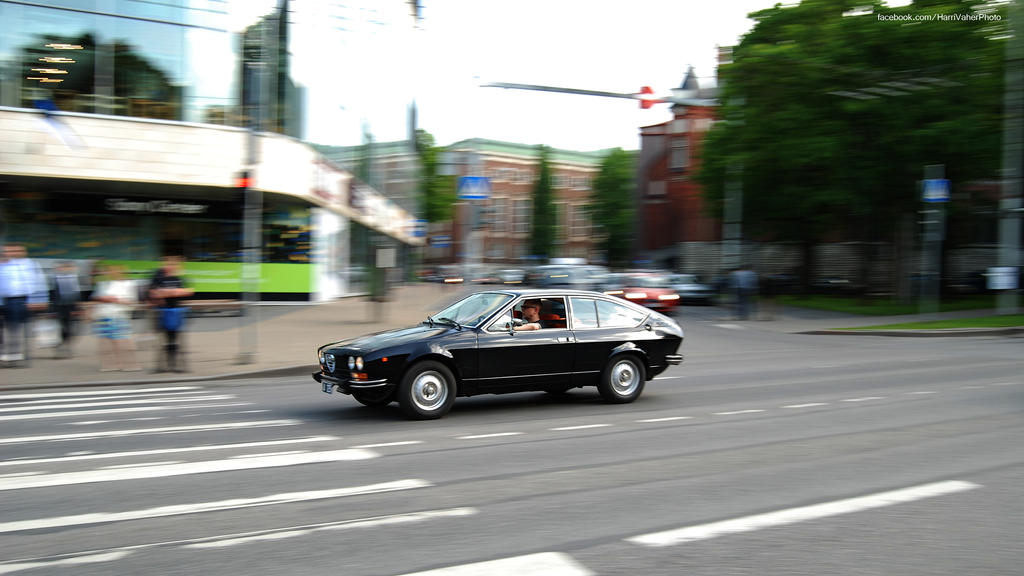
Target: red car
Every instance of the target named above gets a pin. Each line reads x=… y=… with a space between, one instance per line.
x=651 y=290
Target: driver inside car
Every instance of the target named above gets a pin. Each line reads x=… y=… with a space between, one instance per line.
x=531 y=316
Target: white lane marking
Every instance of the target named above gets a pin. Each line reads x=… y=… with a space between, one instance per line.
x=94 y=456
x=137 y=431
x=5 y=397
x=115 y=411
x=494 y=435
x=970 y=387
x=541 y=564
x=19 y=474
x=807 y=405
x=282 y=533
x=583 y=427
x=165 y=429
x=864 y=399
x=729 y=326
x=139 y=465
x=269 y=454
x=203 y=467
x=136 y=401
x=800 y=514
x=669 y=377
x=734 y=412
x=667 y=419
x=1003 y=383
x=200 y=507
x=386 y=444
x=922 y=392
x=73 y=561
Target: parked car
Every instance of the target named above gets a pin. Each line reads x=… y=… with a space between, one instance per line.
x=511 y=276
x=472 y=347
x=562 y=275
x=647 y=289
x=691 y=289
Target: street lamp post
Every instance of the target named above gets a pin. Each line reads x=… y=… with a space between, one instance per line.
x=1008 y=300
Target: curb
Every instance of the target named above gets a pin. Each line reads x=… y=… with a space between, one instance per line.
x=939 y=332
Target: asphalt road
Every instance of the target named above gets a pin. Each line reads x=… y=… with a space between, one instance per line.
x=764 y=453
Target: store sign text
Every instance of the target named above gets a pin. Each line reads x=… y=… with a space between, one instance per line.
x=154 y=206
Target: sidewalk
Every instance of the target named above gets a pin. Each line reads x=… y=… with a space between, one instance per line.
x=285 y=339
x=286 y=336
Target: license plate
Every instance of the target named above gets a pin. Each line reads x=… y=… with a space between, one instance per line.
x=328 y=387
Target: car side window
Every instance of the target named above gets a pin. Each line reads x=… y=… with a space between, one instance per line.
x=611 y=315
x=502 y=322
x=584 y=313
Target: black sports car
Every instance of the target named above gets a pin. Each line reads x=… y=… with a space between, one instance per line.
x=480 y=345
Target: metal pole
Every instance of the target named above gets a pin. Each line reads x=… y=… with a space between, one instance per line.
x=934 y=225
x=1008 y=301
x=252 y=223
x=732 y=219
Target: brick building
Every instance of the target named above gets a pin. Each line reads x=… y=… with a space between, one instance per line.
x=671 y=221
x=503 y=237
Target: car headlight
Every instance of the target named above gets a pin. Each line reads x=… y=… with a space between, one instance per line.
x=636 y=295
x=359 y=362
x=351 y=363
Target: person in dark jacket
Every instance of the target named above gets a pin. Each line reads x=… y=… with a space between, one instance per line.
x=167 y=289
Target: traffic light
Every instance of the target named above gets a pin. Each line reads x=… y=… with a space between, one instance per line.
x=243 y=180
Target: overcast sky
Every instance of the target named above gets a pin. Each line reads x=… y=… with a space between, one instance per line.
x=362 y=63
x=608 y=45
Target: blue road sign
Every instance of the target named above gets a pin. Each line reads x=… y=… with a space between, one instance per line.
x=936 y=190
x=474 y=187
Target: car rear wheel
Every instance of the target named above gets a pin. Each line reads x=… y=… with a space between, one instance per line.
x=427 y=391
x=622 y=380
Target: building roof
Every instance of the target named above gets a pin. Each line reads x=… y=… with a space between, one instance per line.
x=530 y=150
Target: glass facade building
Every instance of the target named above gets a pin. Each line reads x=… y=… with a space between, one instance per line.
x=134 y=78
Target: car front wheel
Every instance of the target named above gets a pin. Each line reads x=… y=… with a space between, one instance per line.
x=427 y=391
x=622 y=380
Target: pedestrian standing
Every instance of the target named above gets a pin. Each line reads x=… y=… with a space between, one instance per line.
x=24 y=291
x=744 y=282
x=166 y=292
x=115 y=298
x=67 y=296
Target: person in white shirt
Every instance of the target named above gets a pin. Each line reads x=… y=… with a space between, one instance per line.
x=24 y=290
x=115 y=299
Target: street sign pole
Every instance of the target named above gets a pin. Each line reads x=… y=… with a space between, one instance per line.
x=934 y=194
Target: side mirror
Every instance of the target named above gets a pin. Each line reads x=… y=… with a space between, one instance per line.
x=512 y=324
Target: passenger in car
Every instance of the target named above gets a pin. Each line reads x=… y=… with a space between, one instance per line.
x=531 y=316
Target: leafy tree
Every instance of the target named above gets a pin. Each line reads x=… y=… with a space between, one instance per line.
x=817 y=164
x=612 y=205
x=544 y=218
x=437 y=200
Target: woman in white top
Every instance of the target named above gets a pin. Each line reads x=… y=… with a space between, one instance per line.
x=115 y=299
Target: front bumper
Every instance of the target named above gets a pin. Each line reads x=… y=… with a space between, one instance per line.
x=347 y=386
x=674 y=359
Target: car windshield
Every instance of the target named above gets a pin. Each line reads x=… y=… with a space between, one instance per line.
x=472 y=310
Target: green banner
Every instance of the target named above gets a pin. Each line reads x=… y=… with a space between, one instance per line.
x=227 y=276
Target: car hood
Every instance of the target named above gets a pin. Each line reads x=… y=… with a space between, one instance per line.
x=376 y=341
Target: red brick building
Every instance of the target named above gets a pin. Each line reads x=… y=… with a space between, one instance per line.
x=673 y=230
